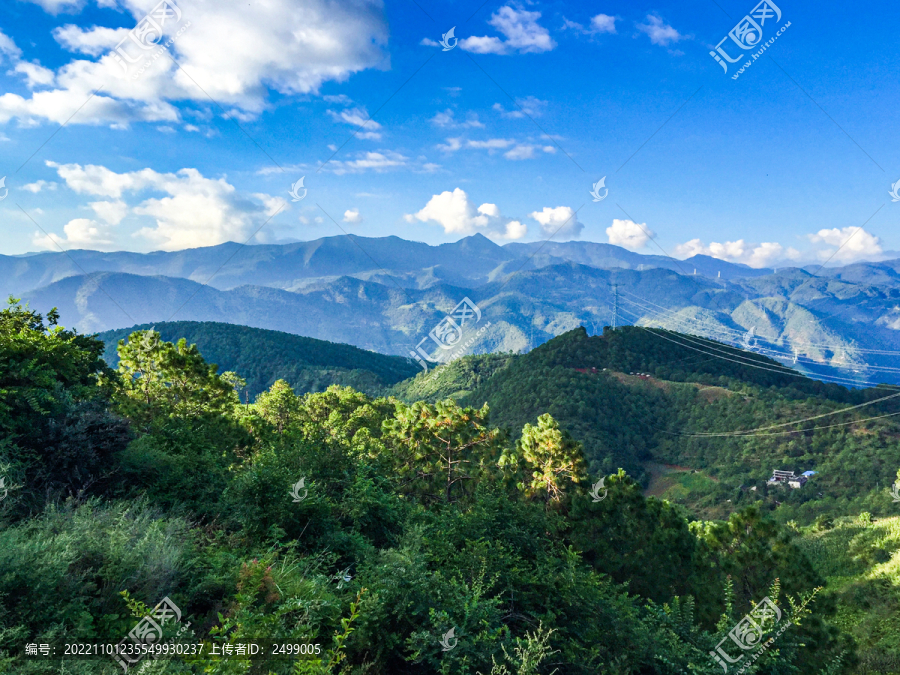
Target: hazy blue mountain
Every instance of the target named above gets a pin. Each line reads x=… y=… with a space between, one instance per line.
x=827 y=327
x=470 y=261
x=607 y=255
x=282 y=266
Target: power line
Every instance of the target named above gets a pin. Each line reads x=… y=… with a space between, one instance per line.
x=769 y=351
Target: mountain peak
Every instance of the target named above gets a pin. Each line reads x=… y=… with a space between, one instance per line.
x=478 y=244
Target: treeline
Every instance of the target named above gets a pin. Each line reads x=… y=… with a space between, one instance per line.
x=405 y=538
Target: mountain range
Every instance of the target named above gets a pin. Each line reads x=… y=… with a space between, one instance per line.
x=393 y=296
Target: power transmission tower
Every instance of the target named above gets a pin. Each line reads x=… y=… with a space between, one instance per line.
x=615 y=306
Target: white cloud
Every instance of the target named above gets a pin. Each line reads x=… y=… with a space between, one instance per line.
x=39 y=185
x=452 y=145
x=628 y=234
x=110 y=212
x=527 y=150
x=8 y=47
x=195 y=211
x=428 y=42
x=854 y=244
x=754 y=255
x=842 y=245
x=491 y=144
x=443 y=119
x=659 y=32
x=343 y=99
x=60 y=6
x=79 y=233
x=100 y=181
x=236 y=57
x=531 y=106
x=92 y=41
x=457 y=215
x=520 y=152
x=446 y=119
x=35 y=74
x=352 y=216
x=562 y=221
x=520 y=28
x=378 y=161
x=603 y=23
x=358 y=117
x=567 y=24
x=367 y=161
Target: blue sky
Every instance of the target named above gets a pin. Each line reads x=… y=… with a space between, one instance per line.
x=503 y=134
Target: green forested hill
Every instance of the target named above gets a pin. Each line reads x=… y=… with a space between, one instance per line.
x=407 y=537
x=453 y=380
x=263 y=356
x=637 y=397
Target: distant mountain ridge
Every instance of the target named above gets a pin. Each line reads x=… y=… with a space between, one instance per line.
x=475 y=259
x=387 y=294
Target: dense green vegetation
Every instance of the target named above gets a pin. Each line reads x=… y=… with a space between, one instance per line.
x=453 y=380
x=264 y=356
x=376 y=526
x=635 y=395
x=860 y=559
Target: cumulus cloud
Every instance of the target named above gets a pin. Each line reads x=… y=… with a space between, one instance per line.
x=754 y=255
x=520 y=28
x=194 y=211
x=842 y=245
x=92 y=41
x=79 y=233
x=851 y=243
x=562 y=221
x=37 y=186
x=629 y=234
x=35 y=74
x=659 y=32
x=8 y=46
x=602 y=23
x=457 y=215
x=111 y=212
x=352 y=216
x=236 y=57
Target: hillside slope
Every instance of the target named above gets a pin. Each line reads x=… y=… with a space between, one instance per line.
x=639 y=397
